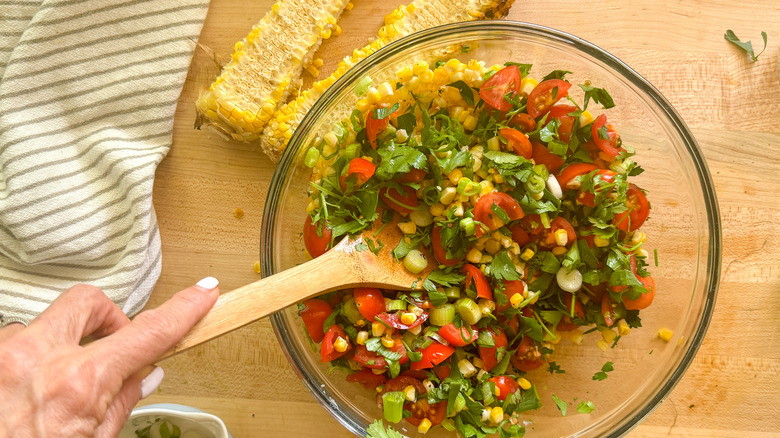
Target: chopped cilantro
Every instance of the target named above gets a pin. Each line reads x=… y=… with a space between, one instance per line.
x=377 y=430
x=585 y=407
x=465 y=91
x=560 y=403
x=598 y=95
x=747 y=46
x=601 y=375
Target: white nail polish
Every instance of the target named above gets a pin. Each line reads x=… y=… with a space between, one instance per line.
x=151 y=382
x=208 y=283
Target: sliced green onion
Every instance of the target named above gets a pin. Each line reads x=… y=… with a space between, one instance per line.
x=388 y=133
x=460 y=403
x=393 y=403
x=431 y=195
x=415 y=262
x=362 y=86
x=352 y=150
x=409 y=338
x=468 y=226
x=468 y=187
x=351 y=311
x=442 y=315
x=448 y=424
x=541 y=170
x=393 y=305
x=311 y=158
x=468 y=310
x=535 y=184
x=545 y=219
x=452 y=292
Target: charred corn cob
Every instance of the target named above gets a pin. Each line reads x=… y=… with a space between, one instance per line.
x=419 y=15
x=266 y=67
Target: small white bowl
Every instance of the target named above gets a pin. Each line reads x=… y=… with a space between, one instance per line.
x=193 y=422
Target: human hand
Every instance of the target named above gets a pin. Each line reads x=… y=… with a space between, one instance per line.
x=52 y=386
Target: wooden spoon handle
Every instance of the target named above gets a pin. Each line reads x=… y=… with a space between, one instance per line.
x=249 y=303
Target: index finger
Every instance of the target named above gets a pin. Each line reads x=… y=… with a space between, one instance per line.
x=155 y=331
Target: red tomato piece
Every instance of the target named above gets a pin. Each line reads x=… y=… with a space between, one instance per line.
x=480 y=281
x=359 y=168
x=314 y=314
x=544 y=96
x=316 y=245
x=370 y=359
x=518 y=141
x=573 y=171
x=367 y=378
x=519 y=235
x=556 y=224
x=439 y=252
x=602 y=178
x=510 y=288
x=375 y=126
x=645 y=299
x=528 y=357
x=505 y=385
x=506 y=80
x=370 y=302
x=488 y=354
x=607 y=143
x=433 y=354
x=637 y=213
x=483 y=210
x=523 y=122
x=608 y=311
x=401 y=382
x=420 y=410
x=327 y=350
x=442 y=371
x=458 y=337
x=394 y=320
x=561 y=112
x=403 y=201
x=542 y=155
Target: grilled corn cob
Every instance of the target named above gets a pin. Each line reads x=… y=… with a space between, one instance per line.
x=419 y=15
x=266 y=67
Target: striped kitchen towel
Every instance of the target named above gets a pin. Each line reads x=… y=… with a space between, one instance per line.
x=88 y=90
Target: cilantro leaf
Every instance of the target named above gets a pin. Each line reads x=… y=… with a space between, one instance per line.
x=560 y=403
x=747 y=46
x=585 y=407
x=442 y=278
x=556 y=74
x=399 y=159
x=601 y=375
x=598 y=95
x=502 y=268
x=377 y=430
x=407 y=122
x=383 y=113
x=465 y=91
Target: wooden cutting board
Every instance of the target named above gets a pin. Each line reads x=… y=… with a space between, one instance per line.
x=732 y=105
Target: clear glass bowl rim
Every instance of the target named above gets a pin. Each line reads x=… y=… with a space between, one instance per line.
x=471 y=30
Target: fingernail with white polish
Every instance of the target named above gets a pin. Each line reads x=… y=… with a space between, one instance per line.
x=208 y=283
x=151 y=382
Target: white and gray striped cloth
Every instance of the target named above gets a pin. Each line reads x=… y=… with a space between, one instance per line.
x=88 y=90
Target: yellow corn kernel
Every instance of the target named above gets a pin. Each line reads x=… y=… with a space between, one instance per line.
x=576 y=336
x=312 y=70
x=349 y=6
x=492 y=246
x=609 y=335
x=377 y=328
x=408 y=318
x=498 y=390
x=257 y=267
x=494 y=144
x=362 y=105
x=410 y=393
x=385 y=89
x=378 y=371
x=477 y=362
x=317 y=62
x=420 y=67
x=515 y=300
x=340 y=344
x=665 y=334
x=474 y=255
x=526 y=85
x=602 y=344
x=527 y=254
x=470 y=123
x=448 y=195
x=496 y=415
x=425 y=424
x=362 y=337
x=455 y=176
x=524 y=383
x=600 y=241
x=437 y=209
x=404 y=74
x=559 y=250
x=623 y=328
x=373 y=95
x=407 y=227
x=586 y=118
x=561 y=237
x=638 y=237
x=388 y=342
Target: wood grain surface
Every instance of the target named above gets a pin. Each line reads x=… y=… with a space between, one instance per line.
x=732 y=389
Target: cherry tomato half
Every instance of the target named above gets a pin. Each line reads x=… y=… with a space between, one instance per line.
x=433 y=354
x=510 y=288
x=608 y=311
x=483 y=210
x=314 y=314
x=480 y=281
x=518 y=141
x=394 y=320
x=506 y=80
x=561 y=113
x=458 y=337
x=367 y=378
x=488 y=354
x=523 y=122
x=327 y=350
x=607 y=143
x=602 y=179
x=403 y=201
x=573 y=171
x=439 y=252
x=645 y=299
x=528 y=357
x=542 y=155
x=370 y=359
x=544 y=96
x=420 y=410
x=316 y=245
x=375 y=126
x=370 y=302
x=505 y=385
x=359 y=168
x=637 y=213
x=548 y=240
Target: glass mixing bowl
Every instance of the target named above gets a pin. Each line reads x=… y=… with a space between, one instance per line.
x=683 y=228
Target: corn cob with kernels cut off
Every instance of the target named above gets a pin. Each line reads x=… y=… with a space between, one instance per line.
x=405 y=20
x=266 y=66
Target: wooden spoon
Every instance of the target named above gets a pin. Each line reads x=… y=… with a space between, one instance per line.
x=348 y=264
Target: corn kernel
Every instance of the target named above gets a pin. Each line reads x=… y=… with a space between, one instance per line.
x=378 y=371
x=437 y=209
x=362 y=105
x=425 y=424
x=527 y=85
x=340 y=344
x=609 y=335
x=401 y=135
x=527 y=254
x=497 y=391
x=586 y=118
x=257 y=267
x=388 y=342
x=415 y=330
x=492 y=246
x=373 y=95
x=576 y=336
x=377 y=328
x=448 y=195
x=515 y=300
x=623 y=328
x=496 y=415
x=602 y=345
x=420 y=67
x=362 y=337
x=638 y=237
x=559 y=250
x=561 y=237
x=600 y=241
x=493 y=144
x=474 y=255
x=407 y=227
x=665 y=334
x=408 y=318
x=470 y=123
x=410 y=393
x=385 y=89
